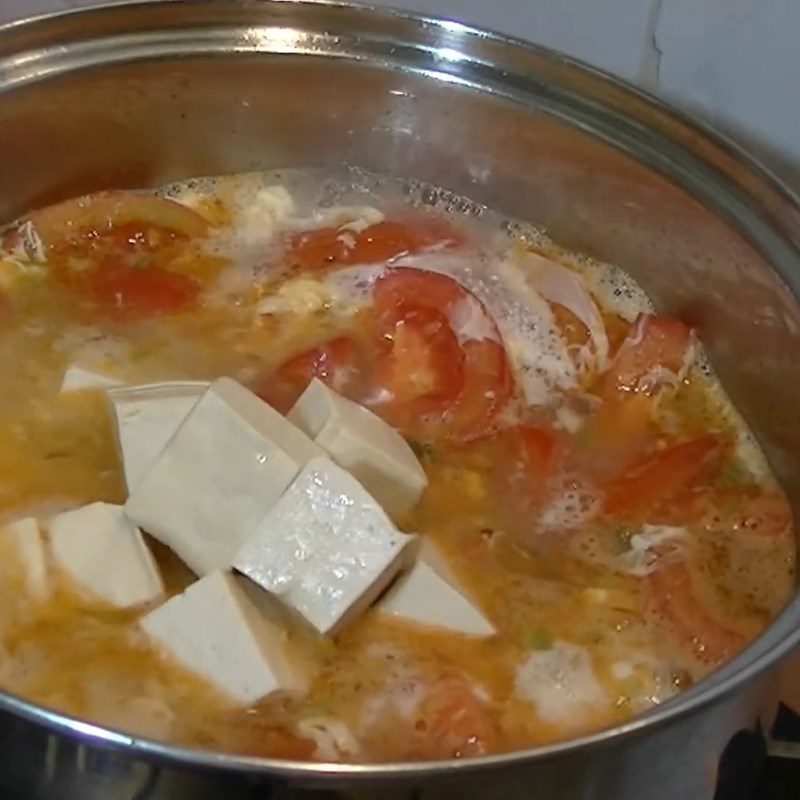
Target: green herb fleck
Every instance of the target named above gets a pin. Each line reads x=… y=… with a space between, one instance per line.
x=619 y=540
x=422 y=449
x=539 y=639
x=145 y=350
x=734 y=472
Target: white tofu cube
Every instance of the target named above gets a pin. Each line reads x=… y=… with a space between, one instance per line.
x=23 y=542
x=146 y=418
x=430 y=594
x=215 y=630
x=372 y=451
x=222 y=471
x=326 y=549
x=105 y=554
x=77 y=378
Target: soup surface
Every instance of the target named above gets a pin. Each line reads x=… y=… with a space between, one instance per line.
x=595 y=496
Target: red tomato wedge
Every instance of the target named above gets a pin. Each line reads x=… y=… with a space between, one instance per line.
x=522 y=462
x=452 y=722
x=619 y=432
x=748 y=509
x=487 y=388
x=761 y=512
x=542 y=452
x=401 y=288
x=126 y=239
x=539 y=449
x=331 y=247
x=102 y=212
x=426 y=364
x=140 y=292
x=423 y=376
x=676 y=607
x=658 y=476
x=335 y=362
x=653 y=342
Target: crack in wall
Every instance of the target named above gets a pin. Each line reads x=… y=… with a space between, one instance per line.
x=650 y=68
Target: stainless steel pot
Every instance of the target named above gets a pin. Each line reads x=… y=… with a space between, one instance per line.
x=136 y=95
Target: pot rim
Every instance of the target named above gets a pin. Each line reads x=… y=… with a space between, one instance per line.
x=744 y=668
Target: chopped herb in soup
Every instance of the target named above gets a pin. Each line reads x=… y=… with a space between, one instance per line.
x=298 y=465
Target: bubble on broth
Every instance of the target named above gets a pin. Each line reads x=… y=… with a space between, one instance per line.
x=572 y=504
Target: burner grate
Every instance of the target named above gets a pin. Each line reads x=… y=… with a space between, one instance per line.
x=755 y=767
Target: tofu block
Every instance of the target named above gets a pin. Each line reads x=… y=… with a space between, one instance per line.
x=104 y=553
x=369 y=449
x=77 y=378
x=326 y=549
x=216 y=631
x=23 y=541
x=221 y=472
x=146 y=418
x=430 y=594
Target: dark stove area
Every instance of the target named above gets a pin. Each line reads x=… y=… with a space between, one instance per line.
x=756 y=766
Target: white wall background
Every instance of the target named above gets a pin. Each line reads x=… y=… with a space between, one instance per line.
x=736 y=62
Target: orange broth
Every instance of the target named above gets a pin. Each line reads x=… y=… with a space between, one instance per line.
x=592 y=623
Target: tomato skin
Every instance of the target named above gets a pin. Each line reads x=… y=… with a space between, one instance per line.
x=660 y=475
x=488 y=385
x=325 y=248
x=103 y=212
x=335 y=362
x=473 y=376
x=539 y=449
x=420 y=363
x=151 y=291
x=452 y=722
x=749 y=510
x=416 y=373
x=653 y=342
x=676 y=607
x=765 y=513
x=319 y=249
x=401 y=288
x=619 y=432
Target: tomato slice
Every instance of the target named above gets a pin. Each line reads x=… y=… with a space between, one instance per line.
x=677 y=608
x=452 y=722
x=150 y=291
x=331 y=247
x=654 y=342
x=102 y=212
x=522 y=463
x=762 y=512
x=539 y=449
x=618 y=432
x=658 y=476
x=420 y=363
x=336 y=362
x=748 y=509
x=405 y=287
x=423 y=378
x=487 y=387
x=432 y=365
